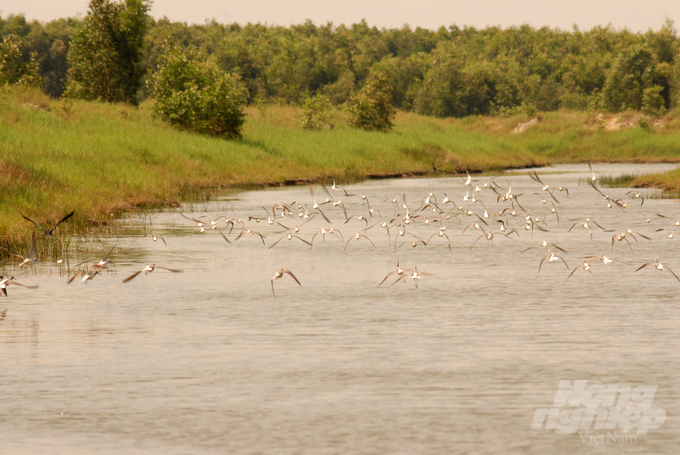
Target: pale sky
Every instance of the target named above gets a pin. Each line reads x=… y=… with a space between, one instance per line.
x=635 y=15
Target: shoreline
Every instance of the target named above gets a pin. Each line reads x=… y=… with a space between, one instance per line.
x=104 y=159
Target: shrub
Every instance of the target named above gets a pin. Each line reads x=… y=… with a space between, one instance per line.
x=317 y=113
x=371 y=107
x=192 y=93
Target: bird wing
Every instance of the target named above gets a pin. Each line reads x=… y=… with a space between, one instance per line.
x=105 y=258
x=402 y=278
x=643 y=236
x=192 y=219
x=169 y=270
x=352 y=238
x=336 y=232
x=132 y=276
x=605 y=230
x=218 y=230
x=427 y=274
x=84 y=262
x=293 y=276
x=62 y=220
x=36 y=287
x=386 y=277
x=473 y=244
x=562 y=259
x=535 y=176
x=645 y=265
x=285 y=227
x=31 y=254
x=300 y=238
x=37 y=224
x=361 y=235
x=561 y=249
x=572 y=272
x=18 y=255
x=274 y=244
x=676 y=277
x=324 y=216
x=575 y=224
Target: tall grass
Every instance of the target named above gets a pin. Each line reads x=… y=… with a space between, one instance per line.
x=101 y=159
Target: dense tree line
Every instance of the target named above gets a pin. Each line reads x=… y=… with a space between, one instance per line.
x=446 y=72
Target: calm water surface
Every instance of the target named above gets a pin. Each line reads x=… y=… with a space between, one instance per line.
x=208 y=361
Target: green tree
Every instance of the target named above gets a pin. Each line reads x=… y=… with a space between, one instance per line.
x=371 y=107
x=104 y=57
x=193 y=93
x=439 y=94
x=46 y=44
x=340 y=91
x=12 y=69
x=631 y=74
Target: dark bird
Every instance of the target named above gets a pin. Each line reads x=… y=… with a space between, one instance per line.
x=49 y=232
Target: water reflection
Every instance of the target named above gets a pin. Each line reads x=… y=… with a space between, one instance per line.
x=208 y=361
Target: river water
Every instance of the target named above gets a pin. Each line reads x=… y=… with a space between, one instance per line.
x=208 y=361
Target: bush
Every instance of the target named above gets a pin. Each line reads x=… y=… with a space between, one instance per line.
x=194 y=94
x=371 y=107
x=317 y=112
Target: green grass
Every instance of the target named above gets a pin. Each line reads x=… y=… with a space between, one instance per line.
x=669 y=182
x=101 y=159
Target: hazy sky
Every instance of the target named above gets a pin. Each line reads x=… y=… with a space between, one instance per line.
x=636 y=15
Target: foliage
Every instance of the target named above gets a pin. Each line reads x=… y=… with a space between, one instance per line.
x=653 y=103
x=192 y=93
x=340 y=91
x=104 y=57
x=454 y=71
x=317 y=113
x=371 y=107
x=439 y=95
x=46 y=43
x=12 y=69
x=627 y=80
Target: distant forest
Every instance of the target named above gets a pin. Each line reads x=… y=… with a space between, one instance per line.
x=449 y=72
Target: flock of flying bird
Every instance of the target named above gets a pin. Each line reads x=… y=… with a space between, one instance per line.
x=406 y=224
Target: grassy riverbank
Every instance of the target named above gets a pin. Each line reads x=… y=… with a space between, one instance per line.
x=101 y=159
